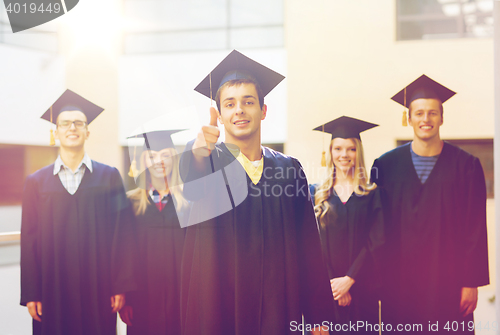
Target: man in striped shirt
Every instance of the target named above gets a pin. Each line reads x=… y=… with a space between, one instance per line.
x=435 y=206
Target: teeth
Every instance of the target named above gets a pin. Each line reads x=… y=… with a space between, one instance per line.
x=426 y=127
x=240 y=122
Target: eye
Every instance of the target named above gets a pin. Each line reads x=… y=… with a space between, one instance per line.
x=353 y=149
x=249 y=102
x=229 y=105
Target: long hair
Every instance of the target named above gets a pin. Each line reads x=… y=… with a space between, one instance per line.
x=322 y=208
x=140 y=194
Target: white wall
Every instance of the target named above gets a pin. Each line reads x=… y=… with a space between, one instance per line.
x=30 y=82
x=152 y=85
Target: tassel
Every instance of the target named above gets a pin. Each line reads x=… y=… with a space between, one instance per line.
x=405 y=122
x=133 y=169
x=52 y=139
x=323 y=159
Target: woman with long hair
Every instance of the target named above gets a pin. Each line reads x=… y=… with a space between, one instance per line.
x=349 y=214
x=161 y=210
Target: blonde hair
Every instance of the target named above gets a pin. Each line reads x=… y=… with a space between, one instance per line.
x=139 y=196
x=325 y=190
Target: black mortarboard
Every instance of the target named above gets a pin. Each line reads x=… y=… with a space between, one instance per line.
x=345 y=127
x=69 y=100
x=158 y=139
x=238 y=66
x=422 y=88
x=153 y=140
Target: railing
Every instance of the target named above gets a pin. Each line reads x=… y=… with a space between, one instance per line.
x=12 y=236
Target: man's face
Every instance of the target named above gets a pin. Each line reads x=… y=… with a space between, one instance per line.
x=426 y=118
x=69 y=134
x=240 y=112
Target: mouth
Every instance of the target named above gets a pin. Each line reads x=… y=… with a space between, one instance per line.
x=241 y=122
x=426 y=127
x=73 y=136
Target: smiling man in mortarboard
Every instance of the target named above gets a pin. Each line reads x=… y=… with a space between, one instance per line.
x=256 y=267
x=436 y=211
x=76 y=233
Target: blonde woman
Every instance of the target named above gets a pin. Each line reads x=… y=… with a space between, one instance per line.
x=349 y=214
x=159 y=208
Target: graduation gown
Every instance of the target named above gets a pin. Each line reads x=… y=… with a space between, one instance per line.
x=76 y=250
x=351 y=245
x=258 y=267
x=437 y=236
x=156 y=303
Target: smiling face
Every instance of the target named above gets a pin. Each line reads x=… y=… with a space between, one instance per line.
x=426 y=117
x=71 y=137
x=343 y=154
x=240 y=112
x=159 y=163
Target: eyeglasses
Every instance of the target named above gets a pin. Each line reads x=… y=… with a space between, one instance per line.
x=67 y=124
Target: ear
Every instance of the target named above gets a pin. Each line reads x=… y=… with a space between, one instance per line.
x=442 y=119
x=264 y=111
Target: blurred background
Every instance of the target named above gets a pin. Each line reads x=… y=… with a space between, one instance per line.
x=141 y=59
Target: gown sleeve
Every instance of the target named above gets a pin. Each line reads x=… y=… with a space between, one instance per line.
x=124 y=243
x=30 y=266
x=315 y=293
x=375 y=238
x=475 y=265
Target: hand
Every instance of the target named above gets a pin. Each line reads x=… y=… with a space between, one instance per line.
x=35 y=310
x=207 y=137
x=468 y=300
x=319 y=331
x=341 y=286
x=127 y=314
x=345 y=299
x=117 y=302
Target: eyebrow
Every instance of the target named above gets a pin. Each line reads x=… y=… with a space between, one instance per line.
x=244 y=97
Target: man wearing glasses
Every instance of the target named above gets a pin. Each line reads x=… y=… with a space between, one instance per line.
x=76 y=233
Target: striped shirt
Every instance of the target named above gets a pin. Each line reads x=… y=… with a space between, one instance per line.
x=423 y=165
x=71 y=180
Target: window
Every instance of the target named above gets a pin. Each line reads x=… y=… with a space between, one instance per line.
x=196 y=25
x=435 y=19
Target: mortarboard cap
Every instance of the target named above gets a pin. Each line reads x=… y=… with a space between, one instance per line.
x=69 y=100
x=153 y=140
x=423 y=88
x=345 y=127
x=238 y=66
x=158 y=139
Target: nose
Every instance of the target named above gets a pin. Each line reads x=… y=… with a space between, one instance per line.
x=239 y=108
x=72 y=126
x=344 y=153
x=426 y=117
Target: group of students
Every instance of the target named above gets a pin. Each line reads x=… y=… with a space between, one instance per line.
x=224 y=239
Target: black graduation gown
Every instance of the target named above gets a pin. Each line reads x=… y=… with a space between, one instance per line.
x=156 y=303
x=76 y=250
x=437 y=236
x=258 y=267
x=351 y=245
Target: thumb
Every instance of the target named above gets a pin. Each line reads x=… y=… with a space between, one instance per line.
x=39 y=308
x=213 y=116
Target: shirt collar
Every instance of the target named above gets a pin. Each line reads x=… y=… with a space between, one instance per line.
x=85 y=161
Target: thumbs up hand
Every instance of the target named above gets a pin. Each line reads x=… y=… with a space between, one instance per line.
x=207 y=137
